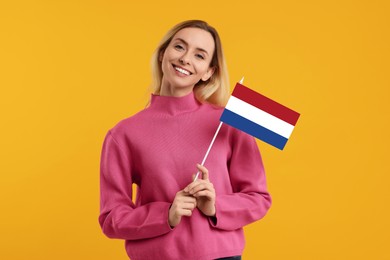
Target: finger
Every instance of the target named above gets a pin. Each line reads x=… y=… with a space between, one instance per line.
x=205 y=172
x=192 y=185
x=205 y=185
x=186 y=212
x=183 y=212
x=186 y=199
x=205 y=193
x=188 y=205
x=183 y=193
x=196 y=188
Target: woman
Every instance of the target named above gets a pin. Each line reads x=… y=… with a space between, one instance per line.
x=173 y=216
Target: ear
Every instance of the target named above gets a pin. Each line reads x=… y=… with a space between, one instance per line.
x=160 y=55
x=208 y=73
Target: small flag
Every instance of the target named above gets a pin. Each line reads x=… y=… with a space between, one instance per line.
x=259 y=116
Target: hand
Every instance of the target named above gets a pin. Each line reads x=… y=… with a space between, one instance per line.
x=204 y=192
x=182 y=205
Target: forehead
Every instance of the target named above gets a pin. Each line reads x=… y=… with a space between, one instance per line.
x=197 y=38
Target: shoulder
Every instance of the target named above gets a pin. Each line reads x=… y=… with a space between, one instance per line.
x=129 y=124
x=212 y=109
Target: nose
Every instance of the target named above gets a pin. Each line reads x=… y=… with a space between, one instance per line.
x=184 y=59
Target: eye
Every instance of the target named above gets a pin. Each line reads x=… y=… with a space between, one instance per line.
x=200 y=56
x=178 y=47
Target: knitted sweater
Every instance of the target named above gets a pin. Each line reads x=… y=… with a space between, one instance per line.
x=157 y=149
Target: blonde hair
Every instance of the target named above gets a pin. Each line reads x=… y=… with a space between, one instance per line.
x=216 y=89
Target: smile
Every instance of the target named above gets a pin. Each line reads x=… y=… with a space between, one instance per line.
x=181 y=70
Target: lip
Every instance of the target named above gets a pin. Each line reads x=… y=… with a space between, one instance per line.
x=176 y=66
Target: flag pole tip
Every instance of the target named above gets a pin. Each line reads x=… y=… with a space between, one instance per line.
x=242 y=80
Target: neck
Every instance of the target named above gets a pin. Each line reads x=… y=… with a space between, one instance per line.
x=171 y=105
x=168 y=89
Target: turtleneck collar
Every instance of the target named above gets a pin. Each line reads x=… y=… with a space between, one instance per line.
x=174 y=105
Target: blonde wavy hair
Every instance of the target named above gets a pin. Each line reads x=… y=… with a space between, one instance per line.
x=216 y=89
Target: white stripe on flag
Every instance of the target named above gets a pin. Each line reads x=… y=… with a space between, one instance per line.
x=259 y=117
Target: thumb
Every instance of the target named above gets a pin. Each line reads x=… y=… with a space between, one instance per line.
x=205 y=172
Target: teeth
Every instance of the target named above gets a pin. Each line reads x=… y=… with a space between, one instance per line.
x=182 y=71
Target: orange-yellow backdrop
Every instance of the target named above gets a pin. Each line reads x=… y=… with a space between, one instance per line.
x=71 y=69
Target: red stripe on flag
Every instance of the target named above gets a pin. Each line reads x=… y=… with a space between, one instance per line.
x=265 y=104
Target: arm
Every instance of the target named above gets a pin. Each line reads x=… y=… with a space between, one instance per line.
x=119 y=217
x=250 y=200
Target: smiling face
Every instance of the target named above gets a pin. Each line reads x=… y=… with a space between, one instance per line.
x=186 y=61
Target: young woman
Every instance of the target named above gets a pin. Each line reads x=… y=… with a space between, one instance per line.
x=173 y=216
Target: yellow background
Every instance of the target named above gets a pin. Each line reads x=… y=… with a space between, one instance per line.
x=71 y=69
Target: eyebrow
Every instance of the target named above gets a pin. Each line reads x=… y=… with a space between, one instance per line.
x=186 y=43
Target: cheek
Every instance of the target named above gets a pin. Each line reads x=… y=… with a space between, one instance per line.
x=168 y=54
x=203 y=68
x=164 y=63
x=166 y=59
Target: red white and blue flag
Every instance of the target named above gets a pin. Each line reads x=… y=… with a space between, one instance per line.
x=259 y=116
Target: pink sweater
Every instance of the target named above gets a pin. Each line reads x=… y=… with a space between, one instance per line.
x=158 y=149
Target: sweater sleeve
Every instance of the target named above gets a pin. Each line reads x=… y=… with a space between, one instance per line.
x=119 y=217
x=250 y=200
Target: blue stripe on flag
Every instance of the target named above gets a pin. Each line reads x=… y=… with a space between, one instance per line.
x=253 y=129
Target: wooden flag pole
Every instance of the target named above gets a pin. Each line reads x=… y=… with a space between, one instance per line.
x=208 y=150
x=212 y=142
